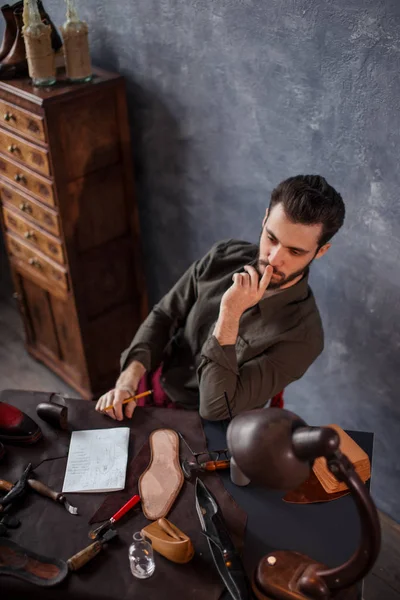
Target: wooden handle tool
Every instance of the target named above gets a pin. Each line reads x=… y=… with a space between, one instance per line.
x=84 y=556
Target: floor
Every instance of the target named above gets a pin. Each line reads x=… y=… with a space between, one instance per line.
x=19 y=371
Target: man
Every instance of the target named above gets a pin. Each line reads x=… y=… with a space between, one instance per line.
x=241 y=323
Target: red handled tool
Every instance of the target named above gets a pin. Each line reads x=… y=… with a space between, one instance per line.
x=97 y=533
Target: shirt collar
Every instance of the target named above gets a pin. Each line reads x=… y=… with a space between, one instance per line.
x=295 y=293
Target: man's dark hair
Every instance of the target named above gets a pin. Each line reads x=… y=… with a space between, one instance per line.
x=309 y=199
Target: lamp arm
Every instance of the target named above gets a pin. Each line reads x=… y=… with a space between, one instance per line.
x=367 y=552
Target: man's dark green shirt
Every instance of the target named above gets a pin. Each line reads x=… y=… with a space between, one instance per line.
x=279 y=338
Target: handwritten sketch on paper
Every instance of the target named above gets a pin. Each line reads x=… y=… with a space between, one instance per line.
x=97 y=460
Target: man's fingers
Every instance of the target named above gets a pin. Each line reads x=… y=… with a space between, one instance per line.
x=254 y=278
x=237 y=278
x=265 y=279
x=104 y=401
x=129 y=408
x=119 y=397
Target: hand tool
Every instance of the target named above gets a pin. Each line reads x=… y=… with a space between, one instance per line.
x=15 y=491
x=97 y=533
x=189 y=467
x=224 y=553
x=40 y=488
x=84 y=556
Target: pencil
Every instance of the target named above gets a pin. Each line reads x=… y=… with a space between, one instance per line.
x=142 y=395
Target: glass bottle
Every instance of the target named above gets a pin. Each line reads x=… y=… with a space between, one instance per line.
x=39 y=51
x=76 y=46
x=141 y=557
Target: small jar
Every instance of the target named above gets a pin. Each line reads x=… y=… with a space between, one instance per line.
x=141 y=557
x=75 y=35
x=39 y=51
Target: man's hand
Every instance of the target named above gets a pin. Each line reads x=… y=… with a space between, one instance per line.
x=246 y=291
x=125 y=387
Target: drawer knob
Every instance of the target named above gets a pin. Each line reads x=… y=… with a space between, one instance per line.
x=24 y=206
x=13 y=148
x=18 y=177
x=35 y=263
x=8 y=116
x=29 y=235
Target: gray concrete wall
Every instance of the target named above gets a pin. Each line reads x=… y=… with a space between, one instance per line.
x=227 y=98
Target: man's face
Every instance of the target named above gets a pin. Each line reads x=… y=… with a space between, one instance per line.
x=288 y=247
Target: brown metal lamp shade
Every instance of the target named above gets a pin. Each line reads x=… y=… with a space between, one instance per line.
x=275 y=448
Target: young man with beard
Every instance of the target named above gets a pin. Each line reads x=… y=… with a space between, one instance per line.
x=241 y=324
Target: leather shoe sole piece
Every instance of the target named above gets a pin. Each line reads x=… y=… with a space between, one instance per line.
x=161 y=482
x=16 y=427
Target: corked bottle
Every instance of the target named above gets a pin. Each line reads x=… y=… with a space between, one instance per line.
x=39 y=51
x=76 y=46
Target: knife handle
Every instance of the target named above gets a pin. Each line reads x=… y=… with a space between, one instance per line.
x=81 y=558
x=130 y=504
x=42 y=489
x=214 y=465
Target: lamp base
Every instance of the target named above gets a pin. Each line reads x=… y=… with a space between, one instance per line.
x=286 y=575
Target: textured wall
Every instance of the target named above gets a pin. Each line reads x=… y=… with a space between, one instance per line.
x=228 y=97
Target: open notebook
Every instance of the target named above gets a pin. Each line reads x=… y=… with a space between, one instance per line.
x=97 y=460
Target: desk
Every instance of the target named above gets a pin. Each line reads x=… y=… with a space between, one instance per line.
x=327 y=532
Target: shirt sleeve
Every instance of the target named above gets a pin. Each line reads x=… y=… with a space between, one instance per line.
x=165 y=318
x=256 y=381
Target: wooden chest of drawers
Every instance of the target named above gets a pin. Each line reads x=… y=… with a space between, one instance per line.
x=70 y=224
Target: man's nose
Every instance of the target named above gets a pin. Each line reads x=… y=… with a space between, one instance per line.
x=275 y=257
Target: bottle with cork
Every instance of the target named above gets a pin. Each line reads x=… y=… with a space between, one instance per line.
x=39 y=51
x=76 y=46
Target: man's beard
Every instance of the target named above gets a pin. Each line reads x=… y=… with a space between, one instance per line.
x=260 y=266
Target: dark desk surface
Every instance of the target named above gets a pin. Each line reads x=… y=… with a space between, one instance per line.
x=327 y=532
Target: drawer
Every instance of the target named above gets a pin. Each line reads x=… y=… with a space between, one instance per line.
x=36 y=263
x=45 y=217
x=48 y=244
x=32 y=156
x=21 y=120
x=27 y=180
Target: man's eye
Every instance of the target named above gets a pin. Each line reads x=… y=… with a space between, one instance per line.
x=295 y=252
x=271 y=239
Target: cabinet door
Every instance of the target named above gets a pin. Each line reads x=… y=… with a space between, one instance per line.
x=69 y=339
x=37 y=311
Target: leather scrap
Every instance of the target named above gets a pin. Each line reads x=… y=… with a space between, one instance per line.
x=311 y=491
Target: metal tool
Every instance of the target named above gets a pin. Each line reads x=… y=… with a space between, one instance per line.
x=16 y=491
x=100 y=531
x=215 y=464
x=84 y=556
x=20 y=488
x=189 y=467
x=224 y=553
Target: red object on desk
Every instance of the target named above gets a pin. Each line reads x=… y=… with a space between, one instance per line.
x=122 y=511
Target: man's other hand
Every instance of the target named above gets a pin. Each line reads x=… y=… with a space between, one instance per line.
x=125 y=388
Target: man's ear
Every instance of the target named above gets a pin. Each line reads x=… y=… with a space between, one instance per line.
x=265 y=218
x=323 y=250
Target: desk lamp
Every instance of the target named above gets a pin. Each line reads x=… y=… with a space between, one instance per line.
x=276 y=448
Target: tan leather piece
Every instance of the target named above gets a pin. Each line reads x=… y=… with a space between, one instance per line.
x=354 y=453
x=161 y=482
x=169 y=541
x=311 y=491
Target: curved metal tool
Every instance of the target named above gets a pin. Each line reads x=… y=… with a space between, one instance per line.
x=44 y=490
